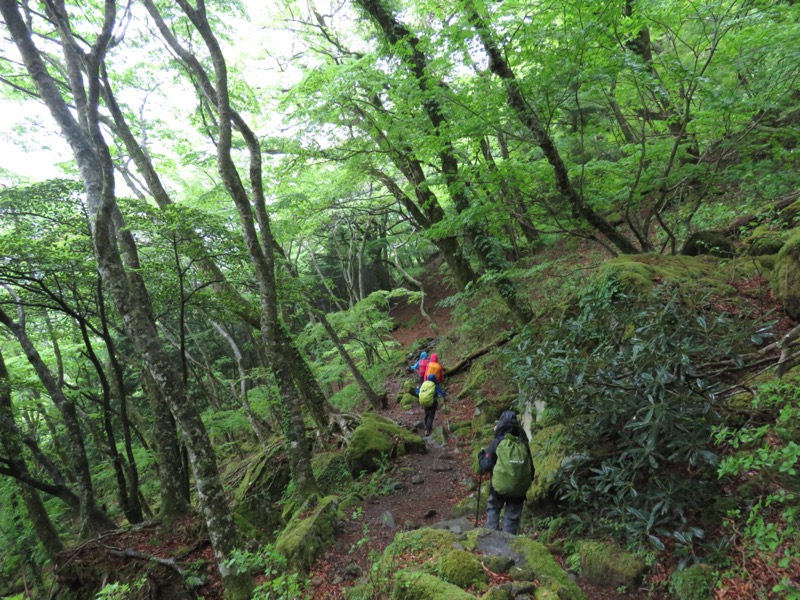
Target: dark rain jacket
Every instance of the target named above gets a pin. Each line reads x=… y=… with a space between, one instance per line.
x=507 y=424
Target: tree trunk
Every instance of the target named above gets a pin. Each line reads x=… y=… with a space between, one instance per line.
x=93 y=520
x=12 y=447
x=485 y=246
x=126 y=287
x=516 y=101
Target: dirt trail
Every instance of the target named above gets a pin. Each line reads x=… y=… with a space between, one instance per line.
x=422 y=488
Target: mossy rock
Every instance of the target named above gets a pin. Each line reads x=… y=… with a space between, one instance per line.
x=409 y=387
x=548 y=453
x=378 y=437
x=408 y=401
x=638 y=273
x=532 y=560
x=331 y=472
x=463 y=569
x=498 y=593
x=608 y=565
x=785 y=278
x=362 y=591
x=546 y=569
x=466 y=507
x=712 y=242
x=439 y=435
x=308 y=535
x=424 y=544
x=790 y=213
x=764 y=241
x=695 y=583
x=767 y=262
x=418 y=585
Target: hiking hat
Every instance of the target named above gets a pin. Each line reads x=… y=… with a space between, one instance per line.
x=508 y=416
x=432 y=377
x=434 y=358
x=423 y=355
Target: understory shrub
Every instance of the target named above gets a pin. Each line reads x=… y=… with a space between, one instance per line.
x=633 y=379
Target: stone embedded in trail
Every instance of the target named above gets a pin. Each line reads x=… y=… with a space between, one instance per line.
x=430 y=514
x=387 y=519
x=417 y=480
x=457 y=526
x=440 y=468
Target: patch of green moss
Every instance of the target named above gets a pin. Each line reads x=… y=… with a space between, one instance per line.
x=362 y=591
x=308 y=535
x=408 y=401
x=466 y=507
x=785 y=277
x=606 y=564
x=546 y=569
x=548 y=452
x=498 y=593
x=463 y=569
x=763 y=240
x=331 y=472
x=423 y=544
x=767 y=262
x=417 y=585
x=695 y=583
x=378 y=437
x=639 y=273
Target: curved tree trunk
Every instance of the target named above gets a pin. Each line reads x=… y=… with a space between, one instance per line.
x=126 y=286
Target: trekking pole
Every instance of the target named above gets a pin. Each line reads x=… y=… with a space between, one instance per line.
x=478 y=503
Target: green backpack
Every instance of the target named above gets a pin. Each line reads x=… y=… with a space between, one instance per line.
x=427 y=394
x=512 y=474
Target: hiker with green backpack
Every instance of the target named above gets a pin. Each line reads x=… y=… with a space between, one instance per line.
x=428 y=393
x=509 y=461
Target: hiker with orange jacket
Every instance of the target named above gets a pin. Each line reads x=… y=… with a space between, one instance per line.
x=435 y=368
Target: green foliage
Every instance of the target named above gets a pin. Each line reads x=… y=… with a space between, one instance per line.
x=770 y=524
x=624 y=375
x=121 y=590
x=280 y=584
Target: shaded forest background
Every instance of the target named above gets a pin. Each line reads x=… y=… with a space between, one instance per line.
x=607 y=191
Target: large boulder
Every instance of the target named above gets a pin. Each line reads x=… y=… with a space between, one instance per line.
x=608 y=565
x=376 y=438
x=715 y=243
x=310 y=532
x=763 y=241
x=428 y=563
x=785 y=278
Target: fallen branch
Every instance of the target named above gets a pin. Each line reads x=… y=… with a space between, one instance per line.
x=167 y=562
x=465 y=363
